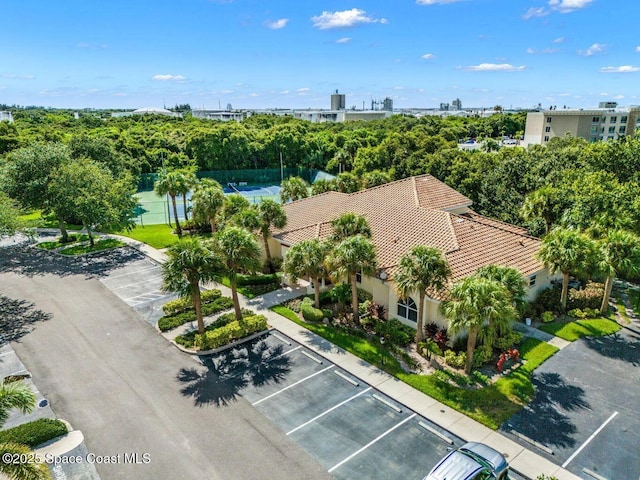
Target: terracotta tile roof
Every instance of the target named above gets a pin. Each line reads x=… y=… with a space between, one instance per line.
x=411 y=212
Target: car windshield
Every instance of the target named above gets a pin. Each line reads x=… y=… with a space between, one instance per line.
x=482 y=461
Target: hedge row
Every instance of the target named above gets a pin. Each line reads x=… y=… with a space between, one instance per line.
x=266 y=279
x=187 y=340
x=34 y=433
x=232 y=331
x=169 y=322
x=181 y=304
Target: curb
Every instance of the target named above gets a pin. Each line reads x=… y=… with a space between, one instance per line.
x=225 y=347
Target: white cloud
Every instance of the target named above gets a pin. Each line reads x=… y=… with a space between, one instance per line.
x=494 y=67
x=303 y=91
x=620 y=69
x=544 y=51
x=559 y=40
x=428 y=56
x=566 y=6
x=593 y=50
x=638 y=49
x=119 y=94
x=254 y=94
x=344 y=19
x=619 y=97
x=343 y=40
x=284 y=92
x=276 y=24
x=168 y=77
x=436 y=2
x=535 y=12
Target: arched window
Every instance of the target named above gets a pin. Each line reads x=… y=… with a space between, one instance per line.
x=407 y=309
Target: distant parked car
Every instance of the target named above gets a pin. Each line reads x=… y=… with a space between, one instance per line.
x=472 y=461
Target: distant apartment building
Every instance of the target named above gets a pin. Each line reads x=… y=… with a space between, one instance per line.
x=593 y=125
x=219 y=115
x=456 y=104
x=6 y=116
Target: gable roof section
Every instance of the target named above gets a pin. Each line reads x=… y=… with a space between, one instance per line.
x=412 y=212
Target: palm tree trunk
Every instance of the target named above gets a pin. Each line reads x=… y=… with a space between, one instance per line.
x=267 y=252
x=63 y=230
x=471 y=346
x=547 y=225
x=316 y=285
x=196 y=299
x=565 y=290
x=184 y=205
x=420 y=323
x=236 y=301
x=175 y=214
x=212 y=222
x=608 y=286
x=354 y=297
x=88 y=229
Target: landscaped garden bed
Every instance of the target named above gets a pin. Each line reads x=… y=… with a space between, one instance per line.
x=79 y=245
x=188 y=339
x=183 y=312
x=252 y=286
x=34 y=433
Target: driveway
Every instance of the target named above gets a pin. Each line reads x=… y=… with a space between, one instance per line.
x=585 y=411
x=108 y=372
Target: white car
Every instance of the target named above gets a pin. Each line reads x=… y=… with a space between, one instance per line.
x=472 y=461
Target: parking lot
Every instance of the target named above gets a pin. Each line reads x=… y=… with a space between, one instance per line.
x=353 y=430
x=138 y=283
x=585 y=412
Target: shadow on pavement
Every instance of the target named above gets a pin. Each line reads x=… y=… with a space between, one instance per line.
x=620 y=347
x=17 y=318
x=31 y=261
x=224 y=376
x=553 y=395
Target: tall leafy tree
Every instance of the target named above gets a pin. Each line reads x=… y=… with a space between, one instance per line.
x=240 y=253
x=189 y=264
x=473 y=303
x=565 y=251
x=27 y=175
x=544 y=204
x=9 y=215
x=350 y=256
x=170 y=183
x=307 y=259
x=207 y=202
x=618 y=253
x=233 y=204
x=420 y=270
x=292 y=189
x=348 y=225
x=263 y=217
x=18 y=395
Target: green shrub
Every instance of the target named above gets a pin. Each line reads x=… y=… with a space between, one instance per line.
x=482 y=355
x=588 y=297
x=363 y=296
x=169 y=322
x=363 y=308
x=180 y=304
x=340 y=293
x=187 y=340
x=310 y=313
x=395 y=332
x=460 y=343
x=327 y=313
x=511 y=339
x=306 y=301
x=232 y=331
x=547 y=317
x=547 y=300
x=431 y=347
x=34 y=433
x=480 y=378
x=262 y=279
x=454 y=359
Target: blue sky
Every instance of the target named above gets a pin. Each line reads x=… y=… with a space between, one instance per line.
x=294 y=54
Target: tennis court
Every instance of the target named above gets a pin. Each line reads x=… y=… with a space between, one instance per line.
x=155 y=209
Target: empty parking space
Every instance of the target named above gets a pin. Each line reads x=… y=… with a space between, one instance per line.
x=353 y=430
x=584 y=416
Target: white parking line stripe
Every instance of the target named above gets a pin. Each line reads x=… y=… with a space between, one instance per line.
x=154 y=294
x=593 y=435
x=147 y=280
x=131 y=273
x=371 y=443
x=328 y=411
x=285 y=353
x=292 y=385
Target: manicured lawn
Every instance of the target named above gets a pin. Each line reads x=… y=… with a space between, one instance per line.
x=75 y=238
x=35 y=219
x=572 y=331
x=157 y=236
x=104 y=244
x=634 y=298
x=491 y=405
x=622 y=310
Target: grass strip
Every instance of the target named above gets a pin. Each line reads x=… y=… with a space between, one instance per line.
x=572 y=331
x=157 y=236
x=104 y=244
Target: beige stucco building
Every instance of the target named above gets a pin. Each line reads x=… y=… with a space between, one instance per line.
x=416 y=211
x=592 y=125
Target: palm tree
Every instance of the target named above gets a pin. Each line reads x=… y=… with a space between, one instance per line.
x=240 y=253
x=270 y=215
x=19 y=396
x=189 y=264
x=350 y=256
x=292 y=189
x=474 y=302
x=542 y=203
x=188 y=182
x=207 y=201
x=307 y=259
x=232 y=205
x=348 y=225
x=421 y=269
x=618 y=252
x=169 y=183
x=565 y=250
